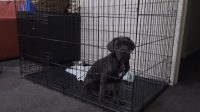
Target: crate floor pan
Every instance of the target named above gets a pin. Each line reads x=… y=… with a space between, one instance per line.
x=133 y=100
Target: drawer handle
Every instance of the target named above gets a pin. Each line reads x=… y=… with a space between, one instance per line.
x=33 y=28
x=46 y=20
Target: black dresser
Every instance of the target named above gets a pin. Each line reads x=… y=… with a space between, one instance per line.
x=49 y=35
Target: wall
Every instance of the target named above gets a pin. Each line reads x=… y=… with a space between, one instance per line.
x=191 y=41
x=102 y=20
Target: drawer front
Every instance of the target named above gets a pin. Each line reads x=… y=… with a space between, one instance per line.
x=33 y=46
x=55 y=50
x=32 y=27
x=65 y=28
x=36 y=25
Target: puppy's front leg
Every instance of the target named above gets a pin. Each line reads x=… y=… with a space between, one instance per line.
x=126 y=67
x=102 y=87
x=117 y=88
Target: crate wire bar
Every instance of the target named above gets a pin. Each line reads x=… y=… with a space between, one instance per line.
x=61 y=39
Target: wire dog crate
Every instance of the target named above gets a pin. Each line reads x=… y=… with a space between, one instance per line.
x=61 y=39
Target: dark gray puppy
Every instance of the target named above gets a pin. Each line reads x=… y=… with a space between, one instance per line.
x=106 y=74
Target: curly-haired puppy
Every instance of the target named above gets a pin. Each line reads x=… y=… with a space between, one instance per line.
x=106 y=74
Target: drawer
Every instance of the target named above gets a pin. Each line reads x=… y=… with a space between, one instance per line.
x=33 y=25
x=57 y=51
x=65 y=28
x=33 y=46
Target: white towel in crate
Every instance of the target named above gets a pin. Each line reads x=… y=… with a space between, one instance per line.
x=81 y=71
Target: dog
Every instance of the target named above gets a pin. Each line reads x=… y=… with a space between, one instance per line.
x=106 y=74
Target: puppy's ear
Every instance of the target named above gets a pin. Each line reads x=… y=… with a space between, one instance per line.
x=132 y=45
x=112 y=45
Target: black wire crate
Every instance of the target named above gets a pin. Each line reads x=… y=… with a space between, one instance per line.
x=134 y=95
x=115 y=54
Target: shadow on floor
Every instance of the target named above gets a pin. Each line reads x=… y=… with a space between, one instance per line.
x=185 y=96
